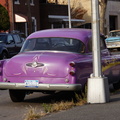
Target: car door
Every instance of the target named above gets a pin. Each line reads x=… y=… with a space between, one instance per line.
x=18 y=42
x=110 y=64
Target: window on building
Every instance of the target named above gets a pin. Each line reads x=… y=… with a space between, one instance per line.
x=34 y=26
x=43 y=1
x=31 y=2
x=113 y=20
x=57 y=25
x=16 y=1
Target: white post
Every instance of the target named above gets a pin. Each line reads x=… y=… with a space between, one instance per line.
x=26 y=32
x=98 y=90
x=69 y=13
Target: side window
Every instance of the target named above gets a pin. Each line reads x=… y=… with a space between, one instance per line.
x=102 y=43
x=90 y=45
x=17 y=39
x=10 y=39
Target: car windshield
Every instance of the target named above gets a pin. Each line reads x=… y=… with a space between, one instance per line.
x=114 y=34
x=3 y=38
x=56 y=44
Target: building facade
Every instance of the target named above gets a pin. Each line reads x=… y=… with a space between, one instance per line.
x=20 y=12
x=112 y=15
x=28 y=16
x=53 y=16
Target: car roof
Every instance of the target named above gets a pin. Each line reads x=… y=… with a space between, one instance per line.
x=7 y=33
x=3 y=33
x=75 y=33
x=114 y=30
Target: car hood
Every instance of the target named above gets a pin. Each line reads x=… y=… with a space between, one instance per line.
x=112 y=39
x=40 y=64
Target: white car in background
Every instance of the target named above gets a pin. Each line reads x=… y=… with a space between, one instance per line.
x=113 y=40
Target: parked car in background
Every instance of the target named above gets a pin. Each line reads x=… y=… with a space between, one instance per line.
x=10 y=44
x=56 y=60
x=21 y=34
x=113 y=40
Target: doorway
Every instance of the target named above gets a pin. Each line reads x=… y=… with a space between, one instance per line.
x=113 y=20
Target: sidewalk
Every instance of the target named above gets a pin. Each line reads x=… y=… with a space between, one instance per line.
x=107 y=111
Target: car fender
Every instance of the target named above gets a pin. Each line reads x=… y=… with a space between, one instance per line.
x=2 y=62
x=3 y=48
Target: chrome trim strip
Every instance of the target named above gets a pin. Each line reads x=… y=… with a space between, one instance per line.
x=55 y=87
x=113 y=46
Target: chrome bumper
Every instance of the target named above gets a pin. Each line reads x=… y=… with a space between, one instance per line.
x=112 y=45
x=50 y=87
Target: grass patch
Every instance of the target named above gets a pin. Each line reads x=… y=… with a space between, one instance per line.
x=81 y=100
x=62 y=106
x=33 y=114
x=47 y=108
x=77 y=100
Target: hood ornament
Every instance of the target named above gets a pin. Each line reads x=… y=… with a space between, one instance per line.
x=34 y=64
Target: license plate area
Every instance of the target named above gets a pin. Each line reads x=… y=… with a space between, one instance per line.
x=31 y=83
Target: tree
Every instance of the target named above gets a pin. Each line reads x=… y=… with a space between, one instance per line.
x=77 y=11
x=4 y=19
x=103 y=5
x=29 y=17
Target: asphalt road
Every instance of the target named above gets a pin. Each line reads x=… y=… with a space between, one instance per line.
x=16 y=111
x=106 y=111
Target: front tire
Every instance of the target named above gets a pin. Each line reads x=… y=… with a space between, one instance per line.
x=116 y=85
x=17 y=95
x=4 y=55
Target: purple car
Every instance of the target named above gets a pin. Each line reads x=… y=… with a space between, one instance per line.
x=55 y=60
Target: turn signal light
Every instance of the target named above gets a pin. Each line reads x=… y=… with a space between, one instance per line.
x=72 y=73
x=72 y=64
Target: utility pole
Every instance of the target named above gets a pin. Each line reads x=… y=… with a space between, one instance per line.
x=98 y=90
x=11 y=13
x=29 y=17
x=56 y=1
x=69 y=13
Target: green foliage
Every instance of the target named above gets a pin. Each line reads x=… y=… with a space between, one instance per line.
x=32 y=113
x=4 y=19
x=47 y=108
